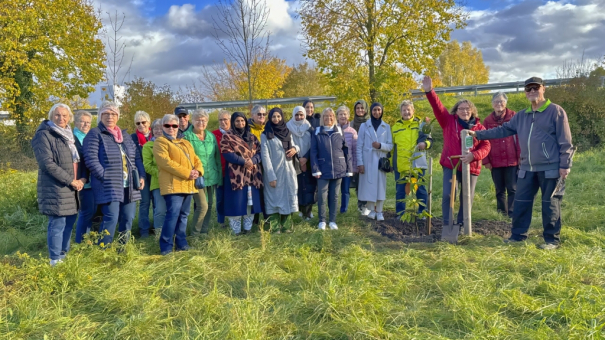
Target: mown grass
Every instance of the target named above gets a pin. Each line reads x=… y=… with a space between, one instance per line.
x=345 y=284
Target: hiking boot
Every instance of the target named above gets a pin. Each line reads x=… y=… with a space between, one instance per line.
x=549 y=246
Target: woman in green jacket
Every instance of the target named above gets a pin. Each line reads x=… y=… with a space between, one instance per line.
x=206 y=148
x=151 y=167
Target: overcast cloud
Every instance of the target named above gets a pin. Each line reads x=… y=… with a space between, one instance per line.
x=531 y=37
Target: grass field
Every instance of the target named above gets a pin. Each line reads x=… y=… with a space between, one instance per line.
x=345 y=284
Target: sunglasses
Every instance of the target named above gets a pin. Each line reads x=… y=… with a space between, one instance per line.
x=139 y=123
x=168 y=126
x=529 y=88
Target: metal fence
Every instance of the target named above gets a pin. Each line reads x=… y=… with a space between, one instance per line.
x=513 y=85
x=265 y=102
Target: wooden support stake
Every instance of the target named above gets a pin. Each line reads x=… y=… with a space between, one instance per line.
x=467 y=144
x=429 y=203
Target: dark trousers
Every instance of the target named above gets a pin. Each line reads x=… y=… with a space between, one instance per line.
x=327 y=192
x=447 y=185
x=114 y=213
x=345 y=194
x=144 y=205
x=505 y=181
x=528 y=185
x=421 y=194
x=86 y=213
x=175 y=223
x=220 y=194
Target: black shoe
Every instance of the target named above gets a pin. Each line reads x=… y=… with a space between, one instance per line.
x=244 y=232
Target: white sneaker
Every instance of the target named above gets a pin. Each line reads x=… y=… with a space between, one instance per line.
x=322 y=226
x=379 y=217
x=365 y=212
x=310 y=215
x=300 y=214
x=333 y=226
x=371 y=215
x=55 y=262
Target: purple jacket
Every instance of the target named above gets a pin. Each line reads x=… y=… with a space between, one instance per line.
x=351 y=139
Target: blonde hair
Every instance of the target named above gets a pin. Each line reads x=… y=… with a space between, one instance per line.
x=474 y=113
x=407 y=102
x=325 y=112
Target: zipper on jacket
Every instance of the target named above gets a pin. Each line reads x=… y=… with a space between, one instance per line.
x=528 y=141
x=544 y=150
x=331 y=156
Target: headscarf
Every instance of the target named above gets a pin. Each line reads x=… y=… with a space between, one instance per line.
x=357 y=120
x=68 y=136
x=279 y=130
x=376 y=121
x=243 y=133
x=299 y=131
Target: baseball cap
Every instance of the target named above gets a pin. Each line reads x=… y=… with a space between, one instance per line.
x=534 y=80
x=179 y=110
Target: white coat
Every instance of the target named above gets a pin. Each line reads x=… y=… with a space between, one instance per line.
x=282 y=199
x=373 y=182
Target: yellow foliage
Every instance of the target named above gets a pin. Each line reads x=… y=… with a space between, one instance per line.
x=268 y=77
x=461 y=64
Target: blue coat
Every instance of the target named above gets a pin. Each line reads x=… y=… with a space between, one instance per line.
x=104 y=160
x=329 y=154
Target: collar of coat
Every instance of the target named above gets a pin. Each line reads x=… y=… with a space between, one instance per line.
x=369 y=124
x=320 y=129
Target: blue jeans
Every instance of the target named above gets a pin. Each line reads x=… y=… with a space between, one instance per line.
x=421 y=194
x=144 y=205
x=220 y=194
x=159 y=209
x=175 y=224
x=86 y=213
x=59 y=235
x=327 y=190
x=113 y=213
x=346 y=195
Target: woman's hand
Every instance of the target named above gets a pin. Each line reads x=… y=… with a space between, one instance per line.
x=421 y=146
x=303 y=161
x=318 y=176
x=468 y=158
x=76 y=184
x=141 y=184
x=361 y=169
x=427 y=84
x=290 y=153
x=376 y=145
x=194 y=174
x=488 y=166
x=273 y=184
x=470 y=132
x=249 y=165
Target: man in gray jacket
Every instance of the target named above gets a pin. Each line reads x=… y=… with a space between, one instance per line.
x=545 y=141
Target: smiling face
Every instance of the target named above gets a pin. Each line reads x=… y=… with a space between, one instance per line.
x=535 y=93
x=109 y=119
x=276 y=118
x=299 y=116
x=310 y=108
x=183 y=121
x=260 y=117
x=60 y=117
x=407 y=112
x=200 y=123
x=157 y=130
x=464 y=111
x=329 y=119
x=377 y=112
x=142 y=125
x=343 y=117
x=499 y=104
x=171 y=128
x=240 y=123
x=83 y=123
x=224 y=122
x=359 y=110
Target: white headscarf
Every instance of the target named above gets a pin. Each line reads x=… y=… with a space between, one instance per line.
x=300 y=131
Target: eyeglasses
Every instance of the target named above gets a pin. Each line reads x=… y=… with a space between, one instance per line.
x=110 y=114
x=535 y=88
x=499 y=101
x=223 y=119
x=464 y=109
x=139 y=123
x=261 y=114
x=168 y=126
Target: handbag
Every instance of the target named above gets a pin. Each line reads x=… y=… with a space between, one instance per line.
x=199 y=182
x=134 y=173
x=384 y=163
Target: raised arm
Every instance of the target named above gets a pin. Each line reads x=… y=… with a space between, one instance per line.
x=441 y=113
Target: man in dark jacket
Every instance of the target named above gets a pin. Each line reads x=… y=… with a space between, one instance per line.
x=183 y=115
x=545 y=142
x=503 y=158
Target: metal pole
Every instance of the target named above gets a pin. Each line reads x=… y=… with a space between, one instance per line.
x=429 y=204
x=467 y=144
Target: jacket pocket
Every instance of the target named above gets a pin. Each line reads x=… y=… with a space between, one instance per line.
x=321 y=160
x=544 y=151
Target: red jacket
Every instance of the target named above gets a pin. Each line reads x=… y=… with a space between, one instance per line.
x=451 y=136
x=219 y=135
x=505 y=151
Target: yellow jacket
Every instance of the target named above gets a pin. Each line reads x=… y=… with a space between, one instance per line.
x=174 y=166
x=256 y=129
x=406 y=135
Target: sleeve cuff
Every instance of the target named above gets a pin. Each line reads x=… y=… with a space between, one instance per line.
x=349 y=174
x=316 y=174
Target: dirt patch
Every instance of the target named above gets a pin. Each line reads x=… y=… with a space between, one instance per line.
x=396 y=230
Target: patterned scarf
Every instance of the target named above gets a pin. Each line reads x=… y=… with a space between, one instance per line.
x=68 y=136
x=239 y=176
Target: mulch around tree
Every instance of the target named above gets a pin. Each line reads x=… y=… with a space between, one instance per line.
x=396 y=230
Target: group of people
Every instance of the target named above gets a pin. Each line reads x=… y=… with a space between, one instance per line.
x=267 y=168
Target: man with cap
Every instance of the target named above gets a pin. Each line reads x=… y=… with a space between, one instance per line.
x=545 y=141
x=183 y=115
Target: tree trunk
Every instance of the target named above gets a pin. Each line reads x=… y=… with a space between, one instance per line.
x=23 y=102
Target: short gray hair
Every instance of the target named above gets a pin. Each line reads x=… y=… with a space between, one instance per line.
x=224 y=113
x=106 y=107
x=407 y=102
x=142 y=114
x=345 y=109
x=169 y=117
x=60 y=105
x=81 y=113
x=199 y=113
x=500 y=94
x=157 y=122
x=257 y=108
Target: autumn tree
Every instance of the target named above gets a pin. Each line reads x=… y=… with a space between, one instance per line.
x=303 y=81
x=76 y=103
x=48 y=49
x=144 y=95
x=462 y=64
x=240 y=31
x=383 y=42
